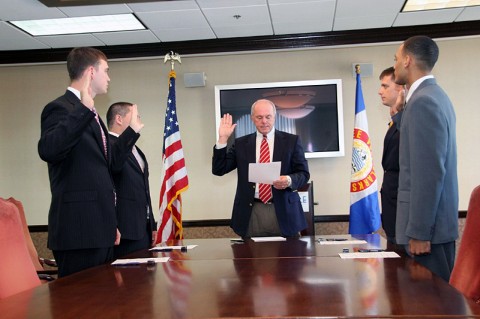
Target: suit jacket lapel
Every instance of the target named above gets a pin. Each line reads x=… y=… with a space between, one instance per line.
x=252 y=148
x=135 y=162
x=278 y=147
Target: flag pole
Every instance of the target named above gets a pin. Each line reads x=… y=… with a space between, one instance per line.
x=174 y=174
x=357 y=68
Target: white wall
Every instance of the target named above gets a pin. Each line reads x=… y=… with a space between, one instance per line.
x=25 y=90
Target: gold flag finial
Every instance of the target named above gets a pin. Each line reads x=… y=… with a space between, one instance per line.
x=357 y=68
x=172 y=57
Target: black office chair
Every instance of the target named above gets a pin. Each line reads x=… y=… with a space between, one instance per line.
x=310 y=214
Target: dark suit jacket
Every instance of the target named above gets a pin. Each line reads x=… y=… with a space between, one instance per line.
x=391 y=169
x=288 y=150
x=133 y=196
x=82 y=211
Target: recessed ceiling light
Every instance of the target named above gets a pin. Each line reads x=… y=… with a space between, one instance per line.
x=419 y=5
x=90 y=24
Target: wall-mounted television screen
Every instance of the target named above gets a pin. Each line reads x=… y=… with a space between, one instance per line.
x=312 y=110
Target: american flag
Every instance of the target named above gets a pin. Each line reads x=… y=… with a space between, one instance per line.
x=174 y=173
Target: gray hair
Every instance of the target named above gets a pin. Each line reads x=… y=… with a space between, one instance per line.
x=263 y=100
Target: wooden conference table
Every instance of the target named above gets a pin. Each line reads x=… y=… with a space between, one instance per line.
x=294 y=278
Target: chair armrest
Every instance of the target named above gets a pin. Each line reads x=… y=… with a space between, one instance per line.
x=48 y=262
x=45 y=277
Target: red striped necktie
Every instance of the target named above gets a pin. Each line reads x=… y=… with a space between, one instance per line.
x=104 y=137
x=264 y=190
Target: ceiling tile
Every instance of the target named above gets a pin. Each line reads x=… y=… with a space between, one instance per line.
x=163 y=6
x=81 y=11
x=427 y=17
x=27 y=10
x=14 y=39
x=184 y=20
x=70 y=41
x=315 y=16
x=127 y=37
x=209 y=4
x=469 y=14
x=190 y=19
x=251 y=21
x=184 y=34
x=252 y=15
x=365 y=14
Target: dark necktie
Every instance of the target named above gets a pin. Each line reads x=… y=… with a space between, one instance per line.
x=264 y=190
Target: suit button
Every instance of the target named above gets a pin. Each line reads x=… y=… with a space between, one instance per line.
x=250 y=204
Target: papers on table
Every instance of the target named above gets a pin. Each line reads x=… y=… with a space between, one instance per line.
x=139 y=261
x=264 y=173
x=336 y=241
x=170 y=248
x=379 y=254
x=264 y=239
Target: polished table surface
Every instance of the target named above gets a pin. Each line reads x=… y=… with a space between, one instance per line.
x=227 y=248
x=256 y=282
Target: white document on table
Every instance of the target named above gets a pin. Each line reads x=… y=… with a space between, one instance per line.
x=342 y=242
x=379 y=254
x=264 y=173
x=264 y=239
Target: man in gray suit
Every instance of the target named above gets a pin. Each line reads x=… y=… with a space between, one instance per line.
x=427 y=208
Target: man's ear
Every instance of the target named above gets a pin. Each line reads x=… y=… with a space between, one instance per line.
x=407 y=61
x=118 y=119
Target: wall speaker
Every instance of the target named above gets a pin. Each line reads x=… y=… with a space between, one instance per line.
x=366 y=69
x=192 y=80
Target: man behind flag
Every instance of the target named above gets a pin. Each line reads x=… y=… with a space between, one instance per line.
x=364 y=209
x=174 y=173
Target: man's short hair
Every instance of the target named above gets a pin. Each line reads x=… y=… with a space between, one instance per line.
x=424 y=49
x=388 y=72
x=117 y=108
x=263 y=100
x=79 y=59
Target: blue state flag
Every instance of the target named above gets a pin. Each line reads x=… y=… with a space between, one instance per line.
x=364 y=208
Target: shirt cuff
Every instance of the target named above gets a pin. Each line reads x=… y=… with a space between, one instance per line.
x=220 y=146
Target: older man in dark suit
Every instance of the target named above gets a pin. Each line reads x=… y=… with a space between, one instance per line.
x=130 y=175
x=280 y=212
x=82 y=224
x=427 y=210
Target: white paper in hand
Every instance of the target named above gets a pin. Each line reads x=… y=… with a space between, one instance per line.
x=264 y=173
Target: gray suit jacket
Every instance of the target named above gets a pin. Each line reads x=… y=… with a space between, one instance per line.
x=427 y=207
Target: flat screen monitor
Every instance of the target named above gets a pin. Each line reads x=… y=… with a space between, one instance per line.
x=313 y=110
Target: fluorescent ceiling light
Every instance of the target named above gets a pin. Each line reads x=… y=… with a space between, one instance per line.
x=419 y=5
x=91 y=24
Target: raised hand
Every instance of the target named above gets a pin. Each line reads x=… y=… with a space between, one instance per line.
x=225 y=129
x=400 y=102
x=136 y=121
x=86 y=90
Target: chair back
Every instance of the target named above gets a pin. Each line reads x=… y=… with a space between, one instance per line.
x=28 y=238
x=17 y=272
x=466 y=275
